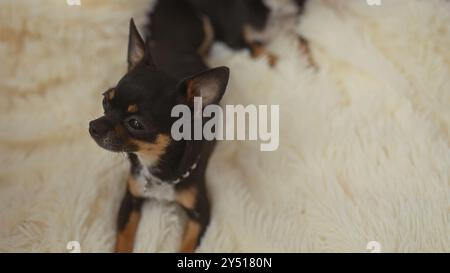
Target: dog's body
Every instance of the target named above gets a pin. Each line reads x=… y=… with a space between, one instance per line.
x=212 y=21
x=235 y=22
x=166 y=71
x=179 y=37
x=246 y=24
x=231 y=19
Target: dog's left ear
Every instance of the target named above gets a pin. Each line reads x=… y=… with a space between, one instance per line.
x=136 y=46
x=210 y=85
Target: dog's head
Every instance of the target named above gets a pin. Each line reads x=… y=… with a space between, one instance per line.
x=137 y=111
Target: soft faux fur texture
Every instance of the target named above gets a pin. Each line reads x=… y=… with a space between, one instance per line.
x=364 y=135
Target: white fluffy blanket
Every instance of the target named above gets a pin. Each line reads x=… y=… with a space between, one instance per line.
x=364 y=139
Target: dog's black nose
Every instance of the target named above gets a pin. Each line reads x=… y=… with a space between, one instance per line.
x=98 y=128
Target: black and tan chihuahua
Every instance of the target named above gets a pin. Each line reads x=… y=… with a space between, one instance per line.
x=234 y=21
x=165 y=71
x=241 y=24
x=137 y=120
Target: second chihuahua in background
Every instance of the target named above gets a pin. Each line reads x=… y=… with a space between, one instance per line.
x=247 y=24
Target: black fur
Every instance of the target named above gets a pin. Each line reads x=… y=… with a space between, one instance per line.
x=230 y=17
x=176 y=33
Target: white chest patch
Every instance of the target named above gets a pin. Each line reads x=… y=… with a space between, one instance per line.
x=148 y=186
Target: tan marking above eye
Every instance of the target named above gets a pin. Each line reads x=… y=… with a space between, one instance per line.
x=110 y=95
x=132 y=108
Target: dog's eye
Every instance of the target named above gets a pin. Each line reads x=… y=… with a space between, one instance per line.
x=135 y=124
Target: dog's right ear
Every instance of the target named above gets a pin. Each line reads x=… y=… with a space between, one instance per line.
x=136 y=46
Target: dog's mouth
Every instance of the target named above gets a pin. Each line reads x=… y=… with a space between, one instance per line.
x=110 y=141
x=100 y=131
x=109 y=144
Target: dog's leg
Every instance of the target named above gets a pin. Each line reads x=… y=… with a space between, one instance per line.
x=196 y=205
x=257 y=50
x=190 y=236
x=128 y=221
x=256 y=47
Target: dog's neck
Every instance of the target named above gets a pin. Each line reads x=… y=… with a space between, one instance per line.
x=176 y=165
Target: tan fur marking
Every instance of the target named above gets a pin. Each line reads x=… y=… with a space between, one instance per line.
x=152 y=151
x=258 y=50
x=187 y=198
x=272 y=59
x=111 y=94
x=133 y=187
x=125 y=238
x=132 y=108
x=190 y=236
